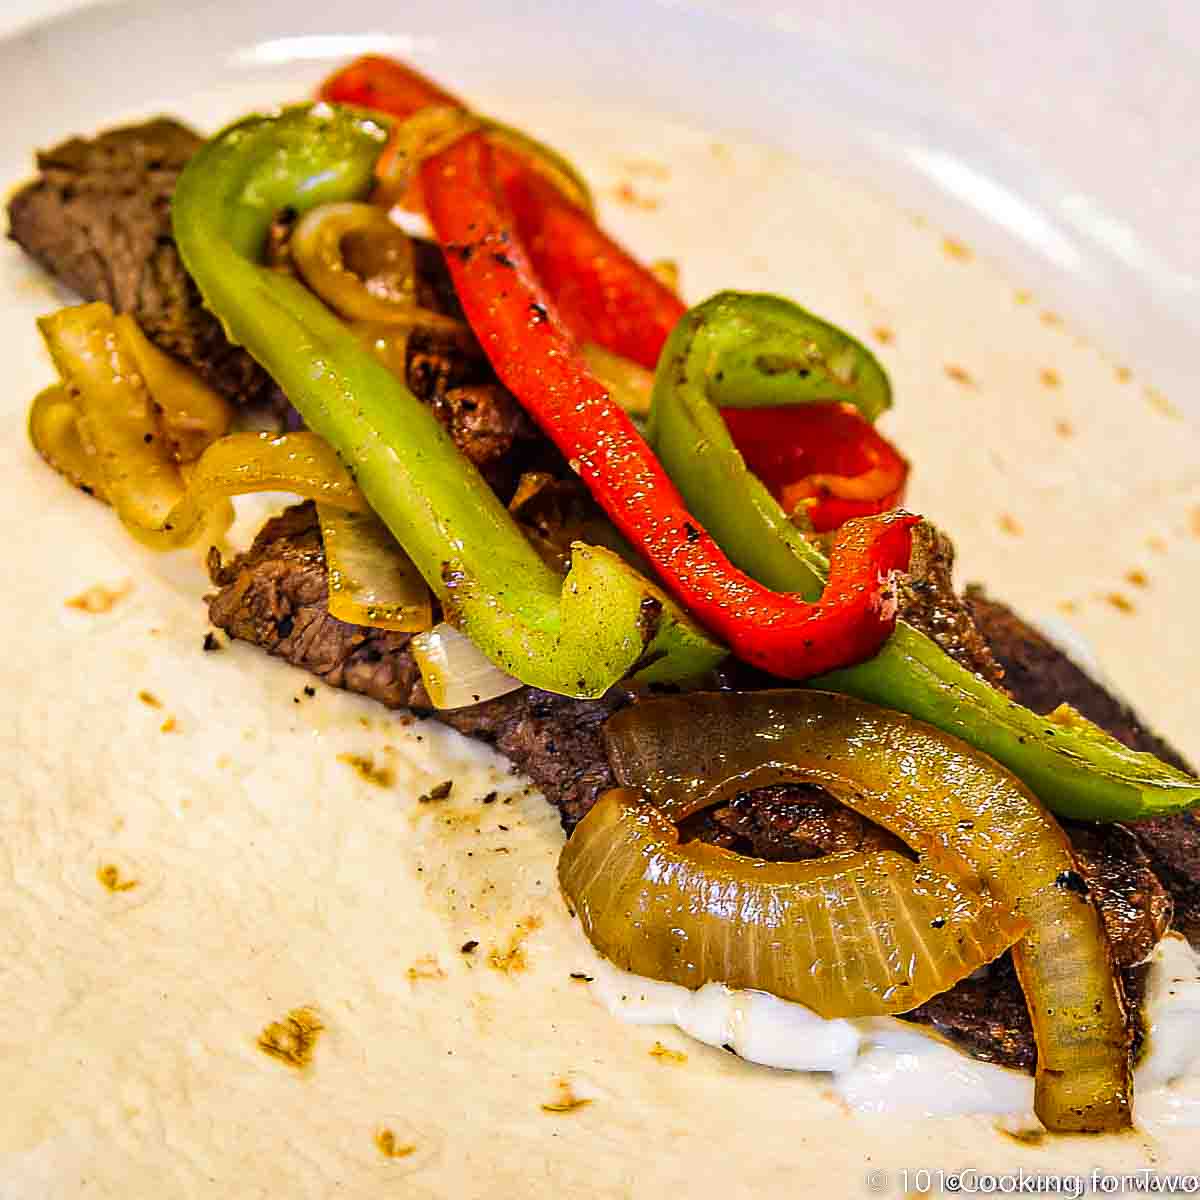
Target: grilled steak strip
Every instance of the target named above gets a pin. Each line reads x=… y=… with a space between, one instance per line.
x=1041 y=677
x=275 y=596
x=98 y=217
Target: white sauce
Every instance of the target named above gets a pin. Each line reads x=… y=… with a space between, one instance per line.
x=883 y=1065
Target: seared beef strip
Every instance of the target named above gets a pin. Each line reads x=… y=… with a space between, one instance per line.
x=276 y=597
x=1041 y=677
x=98 y=216
x=928 y=601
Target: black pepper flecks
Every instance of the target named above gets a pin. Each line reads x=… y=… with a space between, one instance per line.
x=1073 y=882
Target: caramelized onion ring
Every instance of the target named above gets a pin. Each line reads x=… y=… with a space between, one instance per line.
x=849 y=935
x=385 y=291
x=963 y=813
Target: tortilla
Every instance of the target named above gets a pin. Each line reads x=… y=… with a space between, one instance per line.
x=242 y=957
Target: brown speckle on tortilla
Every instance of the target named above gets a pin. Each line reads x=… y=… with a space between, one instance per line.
x=665 y=1055
x=170 y=725
x=648 y=167
x=149 y=699
x=426 y=967
x=1160 y=403
x=957 y=250
x=1050 y=377
x=958 y=374
x=566 y=1101
x=1120 y=602
x=365 y=768
x=1124 y=374
x=511 y=958
x=292 y=1040
x=1010 y=524
x=883 y=335
x=1064 y=428
x=1137 y=577
x=100 y=599
x=626 y=195
x=1051 y=318
x=390 y=1146
x=109 y=876
x=1025 y=1137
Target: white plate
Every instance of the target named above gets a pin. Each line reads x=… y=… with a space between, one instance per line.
x=128 y=1033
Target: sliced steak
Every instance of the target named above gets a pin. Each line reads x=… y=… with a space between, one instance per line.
x=790 y=822
x=1135 y=905
x=929 y=601
x=98 y=216
x=276 y=596
x=1040 y=676
x=553 y=739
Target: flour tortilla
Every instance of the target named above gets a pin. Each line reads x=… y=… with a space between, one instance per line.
x=268 y=876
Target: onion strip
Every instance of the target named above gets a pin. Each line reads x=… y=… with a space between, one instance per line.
x=962 y=812
x=371 y=580
x=432 y=129
x=455 y=671
x=318 y=249
x=854 y=934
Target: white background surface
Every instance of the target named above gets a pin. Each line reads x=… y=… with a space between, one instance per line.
x=1103 y=94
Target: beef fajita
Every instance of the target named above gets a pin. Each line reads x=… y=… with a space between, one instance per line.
x=653 y=554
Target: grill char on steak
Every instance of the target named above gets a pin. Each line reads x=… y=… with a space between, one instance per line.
x=98 y=217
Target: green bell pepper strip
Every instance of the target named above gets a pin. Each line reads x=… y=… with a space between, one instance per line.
x=722 y=353
x=577 y=636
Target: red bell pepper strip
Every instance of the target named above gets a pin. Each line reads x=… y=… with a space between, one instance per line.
x=604 y=294
x=378 y=82
x=827 y=457
x=804 y=452
x=538 y=359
